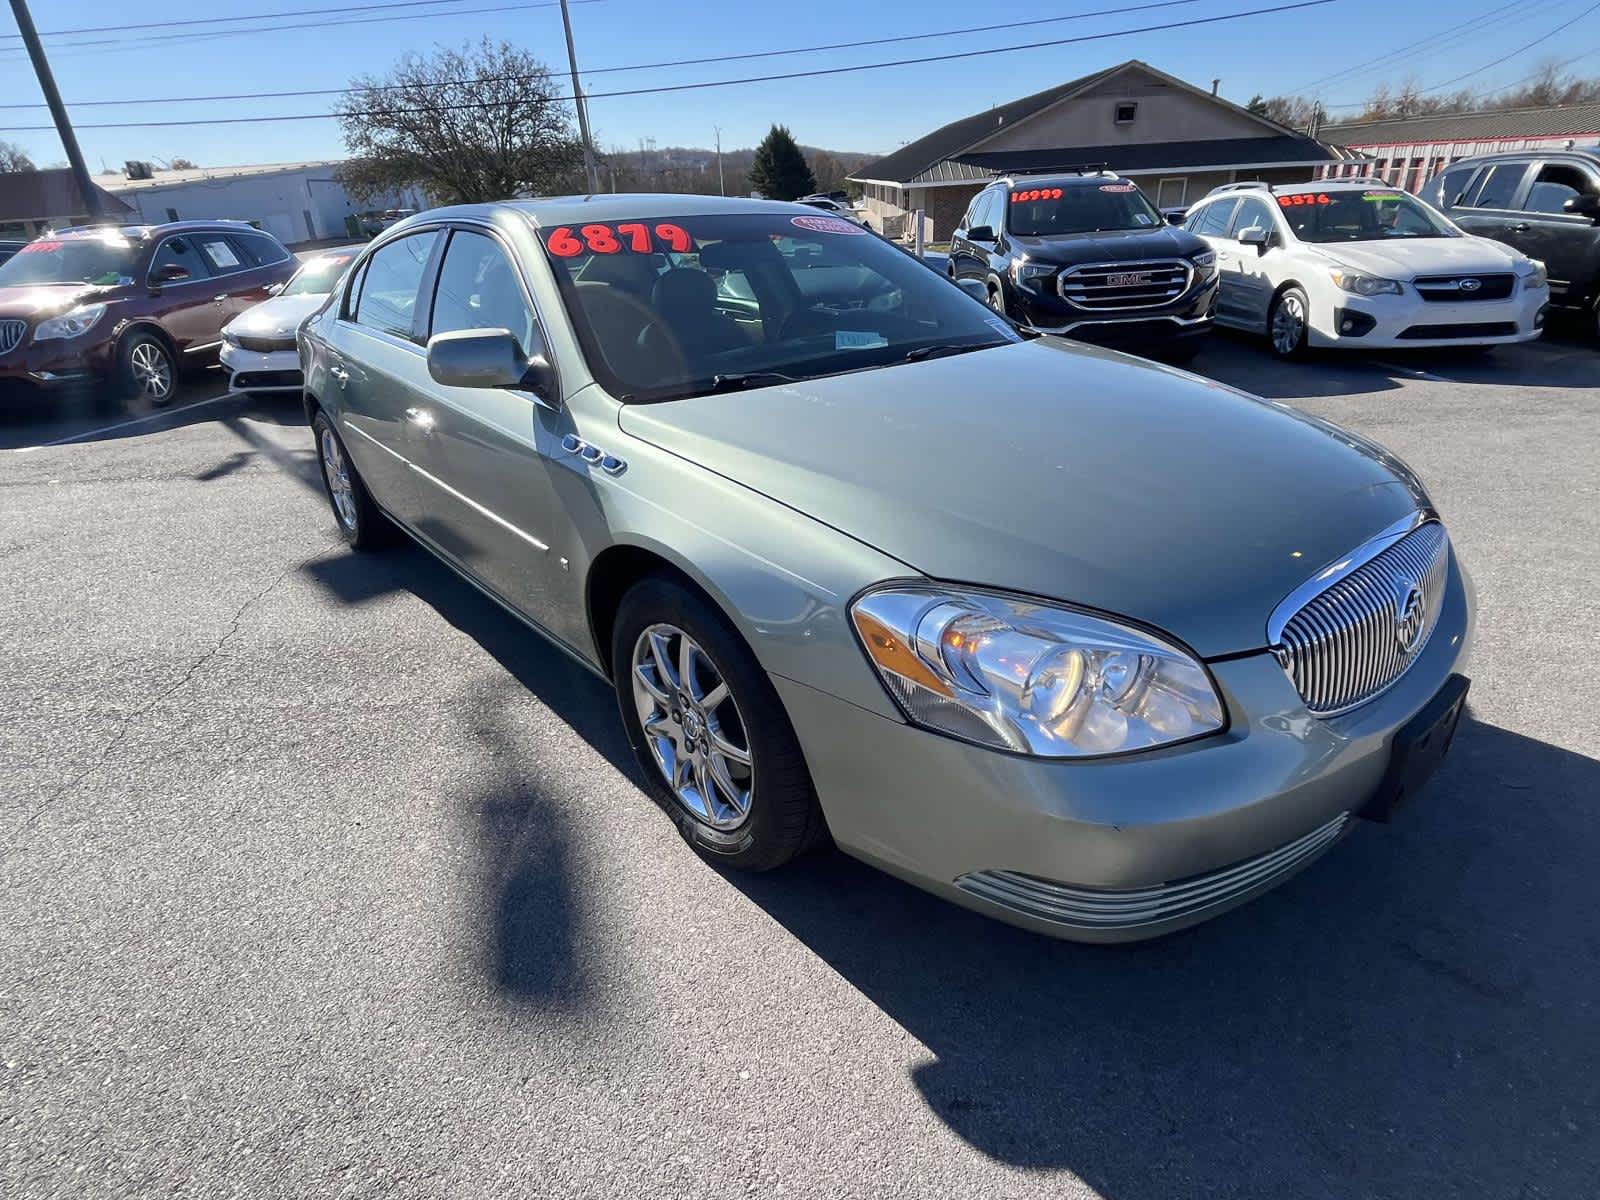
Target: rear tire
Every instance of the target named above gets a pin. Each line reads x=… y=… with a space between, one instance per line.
x=719 y=753
x=360 y=521
x=1287 y=324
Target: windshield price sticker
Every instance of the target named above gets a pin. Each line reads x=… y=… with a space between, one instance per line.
x=828 y=225
x=1036 y=194
x=632 y=236
x=39 y=247
x=1300 y=198
x=1119 y=187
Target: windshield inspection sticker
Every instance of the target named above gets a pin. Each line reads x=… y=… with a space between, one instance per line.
x=1004 y=328
x=828 y=225
x=1141 y=218
x=851 y=339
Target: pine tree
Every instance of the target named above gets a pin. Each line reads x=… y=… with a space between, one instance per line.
x=779 y=171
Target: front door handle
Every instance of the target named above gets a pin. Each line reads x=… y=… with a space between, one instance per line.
x=340 y=374
x=421 y=420
x=219 y=299
x=1521 y=227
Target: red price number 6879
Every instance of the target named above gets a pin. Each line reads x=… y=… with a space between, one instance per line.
x=612 y=239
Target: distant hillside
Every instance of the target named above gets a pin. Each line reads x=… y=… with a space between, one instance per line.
x=694 y=168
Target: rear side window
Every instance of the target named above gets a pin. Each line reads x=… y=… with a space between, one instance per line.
x=258 y=249
x=388 y=300
x=1499 y=186
x=219 y=253
x=178 y=251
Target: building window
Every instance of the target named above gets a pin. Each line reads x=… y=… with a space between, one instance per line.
x=1127 y=110
x=172 y=214
x=1172 y=193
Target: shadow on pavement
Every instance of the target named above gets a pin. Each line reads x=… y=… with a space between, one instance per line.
x=1414 y=1016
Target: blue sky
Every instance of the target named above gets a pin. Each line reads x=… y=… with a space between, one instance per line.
x=870 y=111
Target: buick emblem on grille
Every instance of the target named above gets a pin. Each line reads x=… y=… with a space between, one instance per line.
x=1131 y=279
x=1409 y=619
x=1470 y=285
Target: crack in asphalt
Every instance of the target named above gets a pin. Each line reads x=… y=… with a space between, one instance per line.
x=127 y=722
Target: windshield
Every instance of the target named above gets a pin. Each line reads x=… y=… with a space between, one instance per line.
x=1369 y=216
x=103 y=259
x=1039 y=212
x=318 y=276
x=666 y=309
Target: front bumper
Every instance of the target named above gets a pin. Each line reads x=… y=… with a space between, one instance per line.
x=1246 y=808
x=262 y=371
x=58 y=361
x=1409 y=322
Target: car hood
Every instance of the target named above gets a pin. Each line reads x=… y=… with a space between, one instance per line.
x=1406 y=259
x=1122 y=245
x=277 y=317
x=40 y=301
x=1061 y=471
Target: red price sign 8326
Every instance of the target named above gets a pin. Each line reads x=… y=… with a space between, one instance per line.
x=633 y=236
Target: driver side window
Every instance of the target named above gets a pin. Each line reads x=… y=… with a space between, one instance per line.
x=180 y=252
x=1555 y=184
x=1252 y=213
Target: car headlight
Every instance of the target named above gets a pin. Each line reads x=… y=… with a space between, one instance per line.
x=1205 y=261
x=1028 y=274
x=1018 y=674
x=1533 y=273
x=1364 y=285
x=232 y=338
x=71 y=323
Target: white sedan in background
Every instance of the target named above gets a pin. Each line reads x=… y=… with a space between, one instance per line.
x=1357 y=264
x=258 y=350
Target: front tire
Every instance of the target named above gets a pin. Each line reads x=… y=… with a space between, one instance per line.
x=359 y=519
x=1287 y=325
x=709 y=731
x=146 y=370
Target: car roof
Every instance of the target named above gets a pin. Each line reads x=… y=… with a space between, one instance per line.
x=1064 y=180
x=607 y=206
x=1587 y=154
x=141 y=232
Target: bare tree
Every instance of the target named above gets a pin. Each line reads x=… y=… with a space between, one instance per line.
x=14 y=158
x=475 y=124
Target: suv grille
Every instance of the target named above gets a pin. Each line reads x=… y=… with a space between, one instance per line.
x=1460 y=288
x=1351 y=641
x=11 y=335
x=1107 y=287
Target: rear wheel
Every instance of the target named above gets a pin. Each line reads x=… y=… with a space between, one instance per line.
x=359 y=519
x=1287 y=325
x=709 y=731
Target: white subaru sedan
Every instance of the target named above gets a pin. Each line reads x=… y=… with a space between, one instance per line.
x=1362 y=265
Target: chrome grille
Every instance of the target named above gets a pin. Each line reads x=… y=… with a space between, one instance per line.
x=1358 y=635
x=1107 y=908
x=1456 y=288
x=1107 y=287
x=11 y=335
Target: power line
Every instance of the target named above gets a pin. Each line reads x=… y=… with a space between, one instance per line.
x=1486 y=66
x=260 y=16
x=681 y=62
x=120 y=44
x=717 y=83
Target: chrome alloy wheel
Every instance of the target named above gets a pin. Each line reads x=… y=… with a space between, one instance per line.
x=152 y=371
x=696 y=733
x=337 y=472
x=1288 y=324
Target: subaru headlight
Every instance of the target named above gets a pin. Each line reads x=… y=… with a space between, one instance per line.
x=1031 y=274
x=71 y=323
x=1018 y=674
x=1364 y=285
x=1532 y=273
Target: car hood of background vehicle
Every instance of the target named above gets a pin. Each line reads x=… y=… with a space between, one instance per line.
x=277 y=317
x=1406 y=258
x=1062 y=471
x=1120 y=245
x=39 y=301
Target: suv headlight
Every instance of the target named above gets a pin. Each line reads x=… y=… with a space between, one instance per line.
x=1029 y=274
x=1533 y=273
x=1364 y=285
x=70 y=323
x=1205 y=261
x=1018 y=674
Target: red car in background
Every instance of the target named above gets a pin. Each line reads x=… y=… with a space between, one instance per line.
x=130 y=306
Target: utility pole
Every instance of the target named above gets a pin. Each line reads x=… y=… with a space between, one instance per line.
x=58 y=111
x=721 y=188
x=577 y=98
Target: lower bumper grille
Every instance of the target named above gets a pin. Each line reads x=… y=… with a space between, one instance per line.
x=243 y=381
x=1425 y=333
x=1106 y=908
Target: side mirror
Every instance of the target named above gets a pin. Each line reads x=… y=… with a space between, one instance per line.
x=975 y=288
x=488 y=358
x=1587 y=205
x=981 y=233
x=275 y=289
x=1177 y=216
x=1254 y=236
x=172 y=273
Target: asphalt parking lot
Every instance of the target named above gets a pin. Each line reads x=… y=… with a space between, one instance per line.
x=324 y=878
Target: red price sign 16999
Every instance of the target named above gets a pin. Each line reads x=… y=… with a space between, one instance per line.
x=633 y=236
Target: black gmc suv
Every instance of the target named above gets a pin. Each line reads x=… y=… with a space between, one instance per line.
x=1544 y=203
x=1086 y=255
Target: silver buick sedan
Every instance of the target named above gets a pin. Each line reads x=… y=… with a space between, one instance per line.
x=1087 y=644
